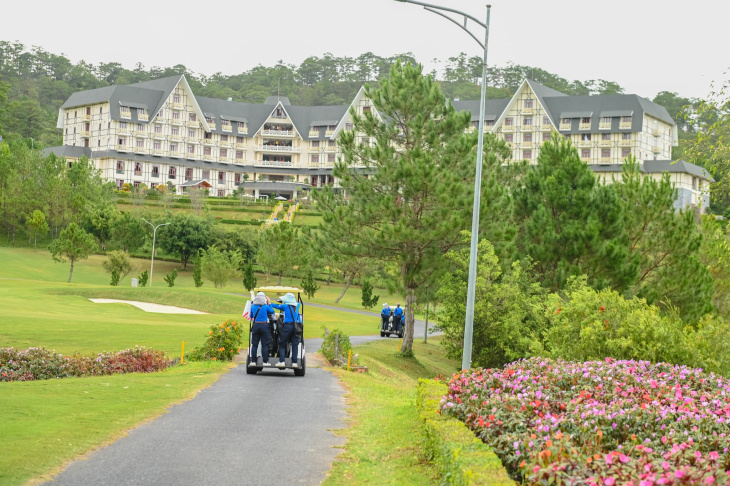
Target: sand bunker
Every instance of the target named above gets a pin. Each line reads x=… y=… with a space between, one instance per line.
x=148 y=307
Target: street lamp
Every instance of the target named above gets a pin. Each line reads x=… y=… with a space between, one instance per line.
x=470 y=293
x=154 y=239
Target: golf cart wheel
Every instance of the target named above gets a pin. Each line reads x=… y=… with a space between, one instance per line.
x=302 y=367
x=250 y=370
x=387 y=334
x=382 y=334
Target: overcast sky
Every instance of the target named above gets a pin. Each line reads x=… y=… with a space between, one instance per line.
x=646 y=46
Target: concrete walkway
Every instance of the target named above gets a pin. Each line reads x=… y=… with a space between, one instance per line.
x=149 y=307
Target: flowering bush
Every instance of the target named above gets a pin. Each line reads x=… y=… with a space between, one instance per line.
x=599 y=422
x=223 y=343
x=42 y=364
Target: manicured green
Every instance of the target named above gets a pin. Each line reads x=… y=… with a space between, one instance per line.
x=50 y=422
x=383 y=445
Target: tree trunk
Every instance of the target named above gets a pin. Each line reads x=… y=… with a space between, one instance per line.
x=35 y=242
x=279 y=282
x=347 y=285
x=329 y=279
x=71 y=273
x=425 y=331
x=407 y=348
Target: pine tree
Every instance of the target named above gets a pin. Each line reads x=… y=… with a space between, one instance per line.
x=249 y=279
x=309 y=285
x=368 y=299
x=73 y=244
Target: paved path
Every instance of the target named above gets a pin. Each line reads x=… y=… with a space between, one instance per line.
x=268 y=428
x=150 y=307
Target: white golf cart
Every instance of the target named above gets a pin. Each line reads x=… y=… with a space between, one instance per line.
x=275 y=324
x=388 y=328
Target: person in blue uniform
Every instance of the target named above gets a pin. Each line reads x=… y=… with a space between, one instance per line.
x=398 y=317
x=260 y=311
x=385 y=315
x=288 y=332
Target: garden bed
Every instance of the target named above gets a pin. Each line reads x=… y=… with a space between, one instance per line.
x=599 y=422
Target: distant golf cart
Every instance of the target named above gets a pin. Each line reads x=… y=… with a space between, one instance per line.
x=386 y=329
x=275 y=324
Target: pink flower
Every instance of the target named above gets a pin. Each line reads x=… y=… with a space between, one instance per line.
x=709 y=479
x=714 y=456
x=665 y=465
x=653 y=383
x=698 y=455
x=609 y=459
x=623 y=458
x=609 y=481
x=678 y=474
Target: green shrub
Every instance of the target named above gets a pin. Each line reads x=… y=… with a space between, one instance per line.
x=198 y=273
x=143 y=278
x=223 y=343
x=115 y=278
x=170 y=278
x=458 y=455
x=328 y=345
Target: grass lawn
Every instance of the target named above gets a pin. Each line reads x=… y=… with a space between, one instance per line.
x=50 y=422
x=383 y=445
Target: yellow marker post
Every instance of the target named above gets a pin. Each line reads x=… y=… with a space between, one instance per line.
x=400 y=346
x=182 y=353
x=349 y=357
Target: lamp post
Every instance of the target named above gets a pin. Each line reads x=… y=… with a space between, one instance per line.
x=154 y=239
x=469 y=321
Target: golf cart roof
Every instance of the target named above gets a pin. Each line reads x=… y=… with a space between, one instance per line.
x=279 y=289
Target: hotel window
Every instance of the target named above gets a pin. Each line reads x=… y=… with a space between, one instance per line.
x=546 y=120
x=508 y=122
x=226 y=123
x=508 y=138
x=175 y=115
x=122 y=141
x=366 y=109
x=206 y=150
x=175 y=131
x=221 y=193
x=140 y=143
x=241 y=127
x=192 y=116
x=279 y=113
x=206 y=174
x=625 y=136
x=239 y=140
x=315 y=143
x=528 y=103
x=155 y=171
x=176 y=99
x=315 y=159
x=605 y=153
x=527 y=137
x=158 y=129
x=224 y=152
x=120 y=167
x=606 y=136
x=172 y=173
x=625 y=153
x=137 y=168
x=208 y=119
x=585 y=154
x=527 y=121
x=545 y=137
x=330 y=143
x=140 y=127
x=208 y=136
x=239 y=154
x=585 y=120
x=137 y=184
x=224 y=138
x=125 y=112
x=331 y=158
x=221 y=177
x=122 y=125
x=348 y=126
x=191 y=149
x=191 y=133
x=141 y=112
x=586 y=137
x=161 y=113
x=605 y=120
x=527 y=154
x=157 y=146
x=566 y=121
x=173 y=147
x=188 y=174
x=237 y=179
x=488 y=123
x=625 y=119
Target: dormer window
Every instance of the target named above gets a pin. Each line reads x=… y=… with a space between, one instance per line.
x=528 y=104
x=125 y=112
x=208 y=119
x=585 y=120
x=508 y=122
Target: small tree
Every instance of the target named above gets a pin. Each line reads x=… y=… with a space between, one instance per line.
x=118 y=263
x=73 y=244
x=115 y=278
x=198 y=273
x=249 y=279
x=170 y=278
x=143 y=278
x=36 y=223
x=368 y=299
x=219 y=266
x=309 y=285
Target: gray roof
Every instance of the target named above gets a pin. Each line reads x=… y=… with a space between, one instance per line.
x=659 y=166
x=492 y=108
x=68 y=151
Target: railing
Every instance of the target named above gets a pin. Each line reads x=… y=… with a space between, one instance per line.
x=123 y=148
x=85 y=117
x=120 y=171
x=604 y=160
x=155 y=175
x=605 y=143
x=193 y=124
x=565 y=126
x=209 y=142
x=224 y=159
x=656 y=149
x=140 y=150
x=85 y=134
x=226 y=128
x=158 y=152
x=158 y=136
x=528 y=111
x=125 y=114
x=314 y=149
x=508 y=128
x=176 y=138
x=142 y=116
x=208 y=157
x=160 y=120
x=243 y=130
x=276 y=148
x=141 y=134
x=584 y=126
x=624 y=125
x=176 y=154
x=279 y=133
x=626 y=142
x=177 y=123
x=657 y=131
x=177 y=106
x=138 y=172
x=526 y=145
x=331 y=149
x=193 y=141
x=313 y=133
x=273 y=163
x=241 y=146
x=584 y=143
x=329 y=133
x=587 y=157
x=604 y=126
x=225 y=144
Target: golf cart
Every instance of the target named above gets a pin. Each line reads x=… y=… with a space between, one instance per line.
x=386 y=329
x=275 y=324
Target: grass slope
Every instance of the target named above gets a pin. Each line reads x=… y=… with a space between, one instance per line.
x=383 y=445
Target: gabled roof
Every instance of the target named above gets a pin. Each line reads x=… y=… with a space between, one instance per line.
x=164 y=85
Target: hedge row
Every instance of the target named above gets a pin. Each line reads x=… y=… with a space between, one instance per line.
x=241 y=222
x=458 y=455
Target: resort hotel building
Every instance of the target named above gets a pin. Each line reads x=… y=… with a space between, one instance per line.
x=160 y=132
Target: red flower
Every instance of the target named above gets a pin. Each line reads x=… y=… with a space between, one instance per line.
x=602 y=308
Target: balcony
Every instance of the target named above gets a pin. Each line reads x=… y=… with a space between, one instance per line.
x=208 y=142
x=125 y=114
x=624 y=125
x=526 y=145
x=123 y=131
x=656 y=149
x=226 y=128
x=177 y=123
x=587 y=157
x=657 y=132
x=626 y=142
x=193 y=141
x=208 y=157
x=155 y=175
x=605 y=143
x=158 y=136
x=329 y=133
x=584 y=143
x=276 y=148
x=604 y=126
x=123 y=148
x=225 y=145
x=241 y=146
x=604 y=160
x=279 y=133
x=565 y=126
x=160 y=121
x=176 y=138
x=584 y=126
x=193 y=124
x=138 y=173
x=272 y=163
x=313 y=133
x=177 y=106
x=330 y=149
x=508 y=128
x=142 y=116
x=85 y=134
x=85 y=117
x=141 y=134
x=224 y=159
x=158 y=152
x=314 y=150
x=548 y=128
x=242 y=130
x=140 y=150
x=177 y=154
